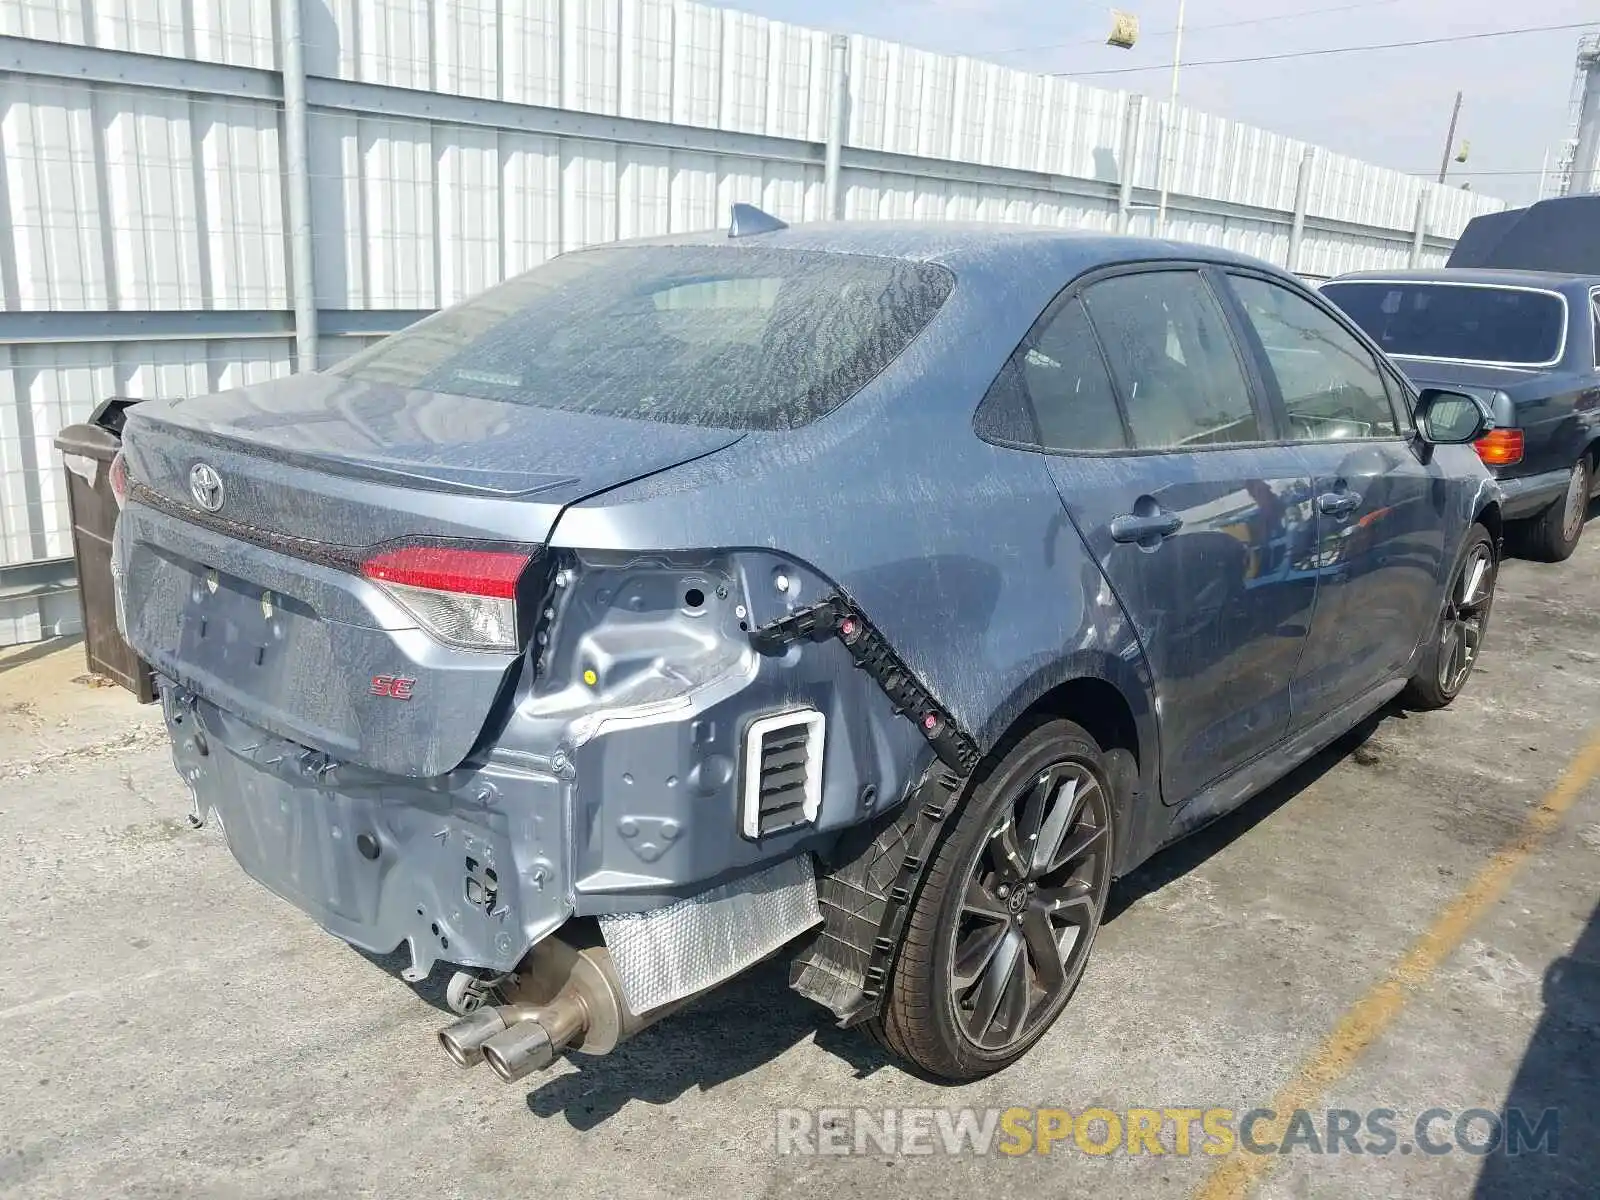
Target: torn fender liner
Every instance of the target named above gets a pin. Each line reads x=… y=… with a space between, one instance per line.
x=684 y=948
x=866 y=899
x=838 y=617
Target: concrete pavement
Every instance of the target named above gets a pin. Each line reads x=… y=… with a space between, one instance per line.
x=169 y=1027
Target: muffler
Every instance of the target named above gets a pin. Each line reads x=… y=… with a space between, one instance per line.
x=564 y=998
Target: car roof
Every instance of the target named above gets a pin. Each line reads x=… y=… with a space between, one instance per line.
x=1553 y=280
x=956 y=244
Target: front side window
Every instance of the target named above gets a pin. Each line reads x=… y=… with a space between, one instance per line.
x=735 y=337
x=1331 y=385
x=1167 y=342
x=1457 y=321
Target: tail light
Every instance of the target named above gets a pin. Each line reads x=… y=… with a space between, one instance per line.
x=1500 y=447
x=463 y=597
x=117 y=473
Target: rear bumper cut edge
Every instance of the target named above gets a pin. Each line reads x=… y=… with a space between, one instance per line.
x=467 y=868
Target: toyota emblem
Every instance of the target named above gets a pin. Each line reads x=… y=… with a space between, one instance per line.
x=205 y=485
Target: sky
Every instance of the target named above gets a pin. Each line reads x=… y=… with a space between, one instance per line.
x=1390 y=107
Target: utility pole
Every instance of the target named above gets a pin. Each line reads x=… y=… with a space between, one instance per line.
x=1169 y=156
x=1450 y=138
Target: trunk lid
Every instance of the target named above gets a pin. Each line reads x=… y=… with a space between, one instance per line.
x=331 y=458
x=259 y=605
x=1477 y=379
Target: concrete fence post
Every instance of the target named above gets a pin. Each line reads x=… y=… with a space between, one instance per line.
x=838 y=122
x=302 y=280
x=1132 y=121
x=1420 y=232
x=1302 y=197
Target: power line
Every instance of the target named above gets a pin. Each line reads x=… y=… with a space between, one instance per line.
x=1187 y=29
x=1330 y=50
x=1455 y=171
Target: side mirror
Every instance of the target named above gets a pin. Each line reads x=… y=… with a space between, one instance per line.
x=1452 y=418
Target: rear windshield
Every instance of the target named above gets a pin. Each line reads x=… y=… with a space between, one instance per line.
x=735 y=337
x=1470 y=323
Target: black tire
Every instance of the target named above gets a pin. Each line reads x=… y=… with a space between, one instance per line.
x=929 y=1017
x=1453 y=643
x=1553 y=535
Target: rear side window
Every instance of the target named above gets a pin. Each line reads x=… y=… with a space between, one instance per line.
x=734 y=337
x=1167 y=341
x=1331 y=385
x=1463 y=322
x=1058 y=384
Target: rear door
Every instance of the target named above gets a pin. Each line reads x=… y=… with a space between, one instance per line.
x=1163 y=457
x=1381 y=519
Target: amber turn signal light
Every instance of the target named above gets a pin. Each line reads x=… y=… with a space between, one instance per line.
x=1500 y=447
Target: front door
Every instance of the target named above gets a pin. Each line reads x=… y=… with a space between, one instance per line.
x=1380 y=531
x=1165 y=466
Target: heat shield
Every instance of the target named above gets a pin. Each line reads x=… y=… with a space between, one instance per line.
x=686 y=947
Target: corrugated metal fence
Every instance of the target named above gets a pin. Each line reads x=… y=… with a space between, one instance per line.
x=147 y=231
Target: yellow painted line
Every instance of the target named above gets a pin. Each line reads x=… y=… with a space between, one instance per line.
x=1366 y=1020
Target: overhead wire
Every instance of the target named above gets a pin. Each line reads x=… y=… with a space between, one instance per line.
x=1270 y=18
x=1328 y=51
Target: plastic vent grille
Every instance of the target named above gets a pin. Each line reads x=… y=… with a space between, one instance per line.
x=782 y=772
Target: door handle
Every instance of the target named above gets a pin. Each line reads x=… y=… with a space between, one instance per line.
x=1131 y=528
x=1338 y=504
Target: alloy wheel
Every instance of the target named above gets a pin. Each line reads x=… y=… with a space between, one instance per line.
x=1033 y=900
x=1465 y=614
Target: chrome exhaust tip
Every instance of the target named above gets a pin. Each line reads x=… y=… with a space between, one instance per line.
x=463 y=1041
x=532 y=1044
x=519 y=1051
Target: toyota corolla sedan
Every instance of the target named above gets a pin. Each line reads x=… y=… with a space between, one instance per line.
x=871 y=593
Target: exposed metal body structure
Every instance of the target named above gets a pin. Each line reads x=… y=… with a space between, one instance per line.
x=917 y=586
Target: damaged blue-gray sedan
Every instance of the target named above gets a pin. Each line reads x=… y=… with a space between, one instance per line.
x=876 y=594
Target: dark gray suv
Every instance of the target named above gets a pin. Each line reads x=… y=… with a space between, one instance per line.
x=873 y=592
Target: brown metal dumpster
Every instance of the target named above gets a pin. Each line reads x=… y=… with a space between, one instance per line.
x=87 y=451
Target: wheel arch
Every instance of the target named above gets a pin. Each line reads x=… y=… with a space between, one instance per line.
x=1488 y=515
x=1114 y=701
x=1592 y=452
